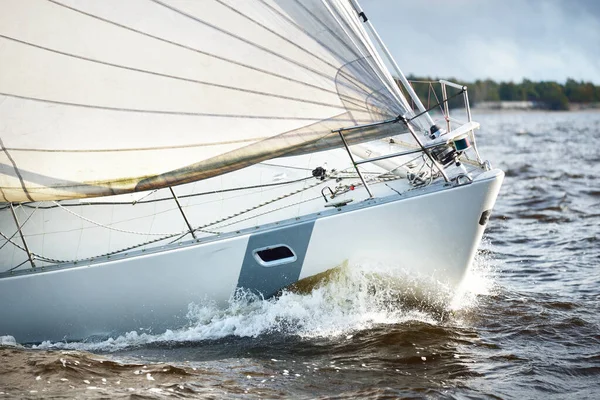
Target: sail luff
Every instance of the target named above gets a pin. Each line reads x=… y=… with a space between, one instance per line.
x=377 y=65
x=389 y=79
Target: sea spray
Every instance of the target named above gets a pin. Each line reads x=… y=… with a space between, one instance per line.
x=351 y=298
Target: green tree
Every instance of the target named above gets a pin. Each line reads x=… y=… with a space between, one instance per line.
x=580 y=92
x=508 y=91
x=551 y=93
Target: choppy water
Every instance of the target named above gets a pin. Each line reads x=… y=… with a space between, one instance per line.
x=528 y=326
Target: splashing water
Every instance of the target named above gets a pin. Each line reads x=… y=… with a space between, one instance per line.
x=346 y=300
x=478 y=281
x=8 y=341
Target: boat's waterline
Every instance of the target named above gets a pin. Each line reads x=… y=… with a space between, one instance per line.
x=152 y=292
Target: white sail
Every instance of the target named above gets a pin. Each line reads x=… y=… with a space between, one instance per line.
x=108 y=97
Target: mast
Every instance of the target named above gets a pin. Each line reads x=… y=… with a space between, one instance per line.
x=392 y=61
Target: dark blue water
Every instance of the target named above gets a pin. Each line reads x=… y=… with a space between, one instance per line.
x=527 y=327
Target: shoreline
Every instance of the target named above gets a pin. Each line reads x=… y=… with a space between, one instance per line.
x=523 y=106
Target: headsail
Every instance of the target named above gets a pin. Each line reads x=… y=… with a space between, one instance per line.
x=100 y=98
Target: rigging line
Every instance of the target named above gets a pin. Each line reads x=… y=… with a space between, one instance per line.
x=416 y=81
x=385 y=75
x=256 y=45
x=438 y=100
x=435 y=105
x=429 y=95
x=174 y=77
x=13 y=268
x=287 y=166
x=303 y=49
x=8 y=240
x=164 y=112
x=346 y=27
x=224 y=59
x=181 y=237
x=20 y=226
x=200 y=228
x=361 y=41
x=170 y=198
x=110 y=227
x=17 y=172
x=268 y=212
x=13 y=243
x=261 y=205
x=56 y=261
x=313 y=37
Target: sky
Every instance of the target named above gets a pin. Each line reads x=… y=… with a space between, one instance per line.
x=505 y=40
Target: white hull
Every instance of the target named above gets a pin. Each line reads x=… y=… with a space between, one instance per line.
x=433 y=232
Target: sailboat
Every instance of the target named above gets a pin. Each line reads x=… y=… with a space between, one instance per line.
x=157 y=154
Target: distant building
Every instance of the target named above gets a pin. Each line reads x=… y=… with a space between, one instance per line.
x=509 y=105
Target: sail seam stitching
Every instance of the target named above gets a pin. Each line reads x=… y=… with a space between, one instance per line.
x=217 y=85
x=196 y=114
x=354 y=53
x=258 y=46
x=281 y=36
x=192 y=48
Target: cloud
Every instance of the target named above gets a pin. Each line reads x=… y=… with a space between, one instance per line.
x=477 y=39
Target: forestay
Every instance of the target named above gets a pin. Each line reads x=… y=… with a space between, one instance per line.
x=108 y=97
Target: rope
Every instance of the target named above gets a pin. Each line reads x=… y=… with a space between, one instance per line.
x=440 y=103
x=111 y=227
x=8 y=240
x=56 y=261
x=414 y=81
x=113 y=203
x=267 y=203
x=435 y=105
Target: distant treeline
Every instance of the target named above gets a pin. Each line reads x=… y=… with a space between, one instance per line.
x=547 y=95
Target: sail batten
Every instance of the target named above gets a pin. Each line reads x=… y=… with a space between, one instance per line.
x=100 y=99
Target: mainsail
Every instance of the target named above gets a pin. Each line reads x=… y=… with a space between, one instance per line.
x=100 y=98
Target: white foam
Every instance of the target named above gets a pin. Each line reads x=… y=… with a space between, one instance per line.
x=358 y=297
x=8 y=341
x=479 y=281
